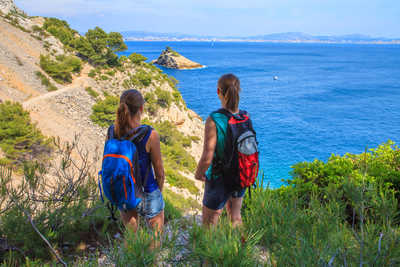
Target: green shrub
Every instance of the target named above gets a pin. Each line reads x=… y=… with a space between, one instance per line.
x=103 y=112
x=151 y=103
x=111 y=73
x=92 y=73
x=177 y=97
x=315 y=231
x=178 y=180
x=172 y=81
x=224 y=245
x=91 y=92
x=140 y=79
x=19 y=137
x=59 y=29
x=36 y=28
x=46 y=45
x=104 y=77
x=173 y=52
x=86 y=50
x=61 y=70
x=100 y=47
x=178 y=157
x=169 y=135
x=378 y=166
x=171 y=212
x=164 y=98
x=143 y=77
x=50 y=87
x=137 y=250
x=180 y=203
x=122 y=59
x=137 y=58
x=63 y=209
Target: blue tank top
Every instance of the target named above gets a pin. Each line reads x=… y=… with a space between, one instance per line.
x=145 y=164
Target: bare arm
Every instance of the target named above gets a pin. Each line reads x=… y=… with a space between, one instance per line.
x=210 y=141
x=153 y=147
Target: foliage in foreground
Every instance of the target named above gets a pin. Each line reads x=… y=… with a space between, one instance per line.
x=281 y=227
x=58 y=199
x=379 y=167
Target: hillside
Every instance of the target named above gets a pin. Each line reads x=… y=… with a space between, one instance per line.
x=63 y=108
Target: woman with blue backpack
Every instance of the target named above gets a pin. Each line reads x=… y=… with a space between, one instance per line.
x=132 y=171
x=229 y=163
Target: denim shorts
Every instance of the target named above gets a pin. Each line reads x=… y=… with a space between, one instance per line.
x=216 y=195
x=151 y=205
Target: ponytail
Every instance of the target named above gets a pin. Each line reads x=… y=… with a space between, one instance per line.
x=122 y=120
x=129 y=104
x=229 y=85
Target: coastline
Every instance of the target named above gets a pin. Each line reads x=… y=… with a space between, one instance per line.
x=261 y=41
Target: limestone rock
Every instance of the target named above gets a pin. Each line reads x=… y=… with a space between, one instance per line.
x=7 y=6
x=172 y=59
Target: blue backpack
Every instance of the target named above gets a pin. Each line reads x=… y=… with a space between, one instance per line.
x=120 y=174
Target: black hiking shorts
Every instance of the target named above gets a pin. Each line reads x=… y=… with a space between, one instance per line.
x=216 y=195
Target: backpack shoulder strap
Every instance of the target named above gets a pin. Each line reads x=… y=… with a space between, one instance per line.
x=110 y=132
x=140 y=133
x=243 y=112
x=224 y=111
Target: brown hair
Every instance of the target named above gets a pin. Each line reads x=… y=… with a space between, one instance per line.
x=229 y=85
x=129 y=104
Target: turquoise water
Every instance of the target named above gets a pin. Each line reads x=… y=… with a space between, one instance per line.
x=328 y=98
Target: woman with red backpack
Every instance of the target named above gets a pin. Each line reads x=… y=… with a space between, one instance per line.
x=229 y=163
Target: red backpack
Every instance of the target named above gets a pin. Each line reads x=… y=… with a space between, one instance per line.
x=240 y=162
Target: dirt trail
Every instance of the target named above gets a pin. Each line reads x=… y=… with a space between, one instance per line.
x=77 y=84
x=65 y=112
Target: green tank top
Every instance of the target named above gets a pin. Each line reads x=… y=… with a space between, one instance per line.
x=221 y=123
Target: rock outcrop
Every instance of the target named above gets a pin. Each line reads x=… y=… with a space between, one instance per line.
x=7 y=6
x=173 y=60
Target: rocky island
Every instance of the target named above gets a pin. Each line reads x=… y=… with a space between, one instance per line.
x=173 y=60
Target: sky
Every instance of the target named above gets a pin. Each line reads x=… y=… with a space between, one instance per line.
x=379 y=18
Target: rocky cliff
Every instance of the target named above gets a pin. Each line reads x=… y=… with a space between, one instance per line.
x=172 y=59
x=7 y=6
x=66 y=112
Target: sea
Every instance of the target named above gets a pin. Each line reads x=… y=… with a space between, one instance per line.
x=307 y=101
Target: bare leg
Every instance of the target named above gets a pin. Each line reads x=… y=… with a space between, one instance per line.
x=157 y=224
x=233 y=207
x=210 y=217
x=130 y=219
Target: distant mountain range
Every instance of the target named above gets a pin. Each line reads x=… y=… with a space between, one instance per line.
x=291 y=37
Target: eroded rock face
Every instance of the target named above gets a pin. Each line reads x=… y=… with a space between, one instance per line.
x=7 y=6
x=171 y=59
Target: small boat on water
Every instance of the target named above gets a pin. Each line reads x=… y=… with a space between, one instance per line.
x=276 y=78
